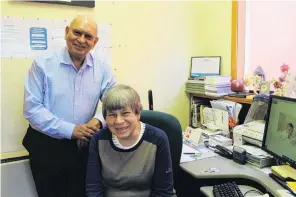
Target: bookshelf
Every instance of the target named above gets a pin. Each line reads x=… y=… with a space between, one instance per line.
x=247 y=100
x=246 y=103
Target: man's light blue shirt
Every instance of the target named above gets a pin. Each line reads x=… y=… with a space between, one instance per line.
x=58 y=96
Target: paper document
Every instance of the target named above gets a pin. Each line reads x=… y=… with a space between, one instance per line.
x=231 y=107
x=216 y=117
x=195 y=152
x=188 y=154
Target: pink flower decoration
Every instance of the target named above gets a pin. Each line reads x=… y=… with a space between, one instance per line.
x=284 y=68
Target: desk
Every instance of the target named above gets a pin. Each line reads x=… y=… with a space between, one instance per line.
x=228 y=169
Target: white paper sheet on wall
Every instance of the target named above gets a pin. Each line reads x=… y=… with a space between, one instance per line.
x=57 y=34
x=28 y=38
x=14 y=40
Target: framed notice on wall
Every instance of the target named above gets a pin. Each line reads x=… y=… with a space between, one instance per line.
x=90 y=4
x=205 y=66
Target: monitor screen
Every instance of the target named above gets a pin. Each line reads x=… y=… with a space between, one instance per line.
x=280 y=130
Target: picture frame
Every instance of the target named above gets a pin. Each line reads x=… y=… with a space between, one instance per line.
x=291 y=85
x=264 y=87
x=88 y=4
x=202 y=66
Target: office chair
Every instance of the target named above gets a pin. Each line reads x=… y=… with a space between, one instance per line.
x=171 y=126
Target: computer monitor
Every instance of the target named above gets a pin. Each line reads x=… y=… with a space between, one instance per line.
x=280 y=130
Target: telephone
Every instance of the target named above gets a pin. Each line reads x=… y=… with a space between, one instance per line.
x=224 y=152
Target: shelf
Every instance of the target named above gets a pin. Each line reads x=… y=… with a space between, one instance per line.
x=247 y=100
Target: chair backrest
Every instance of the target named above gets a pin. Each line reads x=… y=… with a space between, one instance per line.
x=171 y=126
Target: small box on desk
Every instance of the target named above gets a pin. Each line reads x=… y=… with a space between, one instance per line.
x=219 y=140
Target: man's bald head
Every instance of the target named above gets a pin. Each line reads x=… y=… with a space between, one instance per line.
x=81 y=36
x=85 y=21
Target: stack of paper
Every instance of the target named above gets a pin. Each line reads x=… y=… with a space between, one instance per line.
x=217 y=85
x=256 y=156
x=195 y=86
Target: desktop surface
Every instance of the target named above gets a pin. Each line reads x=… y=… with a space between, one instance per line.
x=228 y=169
x=208 y=190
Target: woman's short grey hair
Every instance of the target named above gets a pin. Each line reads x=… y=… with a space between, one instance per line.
x=119 y=97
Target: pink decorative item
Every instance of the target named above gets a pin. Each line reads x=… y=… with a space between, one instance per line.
x=237 y=85
x=284 y=68
x=280 y=84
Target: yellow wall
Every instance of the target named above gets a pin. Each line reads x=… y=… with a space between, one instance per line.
x=156 y=42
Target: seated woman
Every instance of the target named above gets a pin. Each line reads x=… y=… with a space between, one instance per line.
x=128 y=158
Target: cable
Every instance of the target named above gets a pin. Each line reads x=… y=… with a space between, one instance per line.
x=252 y=190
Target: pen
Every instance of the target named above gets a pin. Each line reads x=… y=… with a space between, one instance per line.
x=189 y=153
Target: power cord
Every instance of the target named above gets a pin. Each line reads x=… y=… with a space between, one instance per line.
x=252 y=190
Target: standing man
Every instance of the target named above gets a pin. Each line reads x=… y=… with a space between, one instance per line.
x=62 y=91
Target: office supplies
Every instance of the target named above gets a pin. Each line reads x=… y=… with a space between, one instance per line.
x=251 y=133
x=194 y=135
x=292 y=184
x=219 y=140
x=256 y=156
x=279 y=139
x=196 y=85
x=216 y=117
x=259 y=161
x=202 y=153
x=196 y=113
x=205 y=66
x=227 y=189
x=281 y=182
x=239 y=155
x=285 y=172
x=224 y=152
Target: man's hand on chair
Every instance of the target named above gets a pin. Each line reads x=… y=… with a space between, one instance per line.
x=83 y=132
x=94 y=123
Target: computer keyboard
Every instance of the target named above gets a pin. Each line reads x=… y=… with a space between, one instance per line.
x=227 y=190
